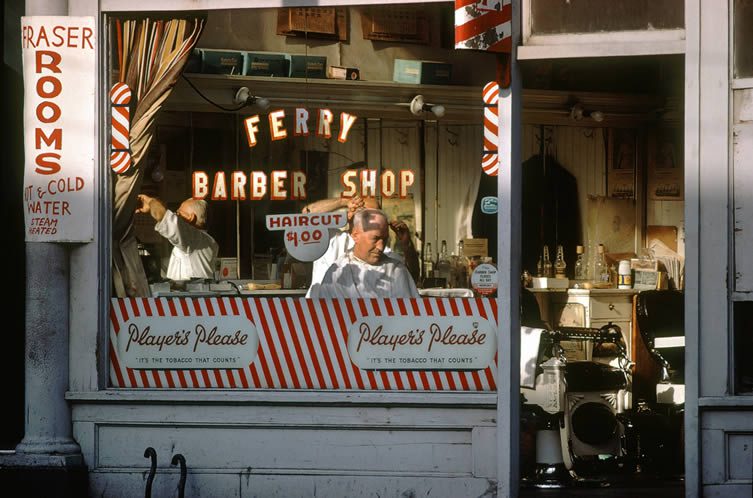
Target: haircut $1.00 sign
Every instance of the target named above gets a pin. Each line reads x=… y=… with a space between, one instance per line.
x=306 y=235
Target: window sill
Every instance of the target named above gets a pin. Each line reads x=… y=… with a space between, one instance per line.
x=289 y=397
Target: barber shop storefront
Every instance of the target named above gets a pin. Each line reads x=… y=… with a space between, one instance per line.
x=361 y=249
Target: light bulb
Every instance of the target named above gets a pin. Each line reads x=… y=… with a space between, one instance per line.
x=438 y=110
x=241 y=96
x=262 y=102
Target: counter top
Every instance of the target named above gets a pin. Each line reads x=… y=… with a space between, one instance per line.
x=587 y=292
x=244 y=293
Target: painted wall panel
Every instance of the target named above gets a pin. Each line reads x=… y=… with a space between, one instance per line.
x=743 y=205
x=339 y=486
x=301 y=448
x=739 y=456
x=165 y=483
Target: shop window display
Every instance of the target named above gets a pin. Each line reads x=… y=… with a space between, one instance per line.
x=285 y=167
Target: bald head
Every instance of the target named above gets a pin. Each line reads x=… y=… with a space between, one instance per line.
x=194 y=211
x=370 y=235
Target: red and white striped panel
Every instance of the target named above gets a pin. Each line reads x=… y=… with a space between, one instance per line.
x=483 y=25
x=302 y=344
x=490 y=155
x=120 y=154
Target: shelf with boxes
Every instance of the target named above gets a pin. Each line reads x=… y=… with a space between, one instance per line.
x=250 y=63
x=286 y=65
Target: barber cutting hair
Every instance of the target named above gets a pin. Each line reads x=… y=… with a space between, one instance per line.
x=365 y=271
x=194 y=250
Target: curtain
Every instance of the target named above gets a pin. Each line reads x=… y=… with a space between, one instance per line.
x=151 y=55
x=459 y=176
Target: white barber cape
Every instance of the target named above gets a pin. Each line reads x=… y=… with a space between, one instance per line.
x=350 y=277
x=340 y=243
x=194 y=250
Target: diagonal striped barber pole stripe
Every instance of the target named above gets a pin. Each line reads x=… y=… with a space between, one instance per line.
x=303 y=344
x=490 y=155
x=120 y=152
x=483 y=25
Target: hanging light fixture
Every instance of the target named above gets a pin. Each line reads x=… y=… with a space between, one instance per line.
x=243 y=97
x=577 y=112
x=418 y=106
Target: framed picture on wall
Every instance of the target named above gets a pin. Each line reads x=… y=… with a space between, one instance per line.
x=621 y=163
x=665 y=164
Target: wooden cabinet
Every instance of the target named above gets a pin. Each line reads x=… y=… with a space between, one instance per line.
x=588 y=308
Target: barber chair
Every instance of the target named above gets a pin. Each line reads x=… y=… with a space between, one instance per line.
x=585 y=401
x=597 y=397
x=661 y=320
x=659 y=421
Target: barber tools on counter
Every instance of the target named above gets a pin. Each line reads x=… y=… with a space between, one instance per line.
x=596 y=268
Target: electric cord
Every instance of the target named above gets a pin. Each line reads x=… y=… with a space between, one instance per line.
x=210 y=101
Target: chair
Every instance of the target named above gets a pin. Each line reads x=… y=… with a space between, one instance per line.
x=661 y=320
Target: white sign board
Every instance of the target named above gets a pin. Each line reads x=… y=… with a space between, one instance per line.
x=185 y=343
x=59 y=65
x=306 y=235
x=422 y=343
x=484 y=279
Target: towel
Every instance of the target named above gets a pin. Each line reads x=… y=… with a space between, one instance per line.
x=530 y=339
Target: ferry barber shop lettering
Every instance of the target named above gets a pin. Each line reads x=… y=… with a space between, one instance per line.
x=279 y=185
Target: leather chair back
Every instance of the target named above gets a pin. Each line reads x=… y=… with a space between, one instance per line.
x=661 y=320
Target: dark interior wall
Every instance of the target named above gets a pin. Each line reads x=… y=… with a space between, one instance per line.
x=13 y=246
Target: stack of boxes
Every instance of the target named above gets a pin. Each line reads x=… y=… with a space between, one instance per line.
x=283 y=65
x=422 y=72
x=244 y=63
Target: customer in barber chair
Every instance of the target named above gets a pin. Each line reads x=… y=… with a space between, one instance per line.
x=365 y=271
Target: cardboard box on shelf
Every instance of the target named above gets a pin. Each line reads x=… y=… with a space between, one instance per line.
x=476 y=247
x=227 y=269
x=215 y=61
x=308 y=66
x=644 y=264
x=343 y=73
x=550 y=283
x=266 y=64
x=193 y=64
x=422 y=72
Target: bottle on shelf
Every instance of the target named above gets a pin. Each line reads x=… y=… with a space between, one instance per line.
x=547 y=262
x=285 y=270
x=602 y=269
x=462 y=267
x=444 y=266
x=453 y=274
x=625 y=275
x=579 y=271
x=591 y=258
x=428 y=261
x=559 y=263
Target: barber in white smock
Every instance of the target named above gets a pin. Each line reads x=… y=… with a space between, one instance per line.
x=194 y=250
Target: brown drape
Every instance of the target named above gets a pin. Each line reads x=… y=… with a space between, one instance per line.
x=151 y=56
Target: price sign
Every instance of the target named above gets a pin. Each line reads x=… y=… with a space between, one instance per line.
x=306 y=235
x=306 y=244
x=484 y=279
